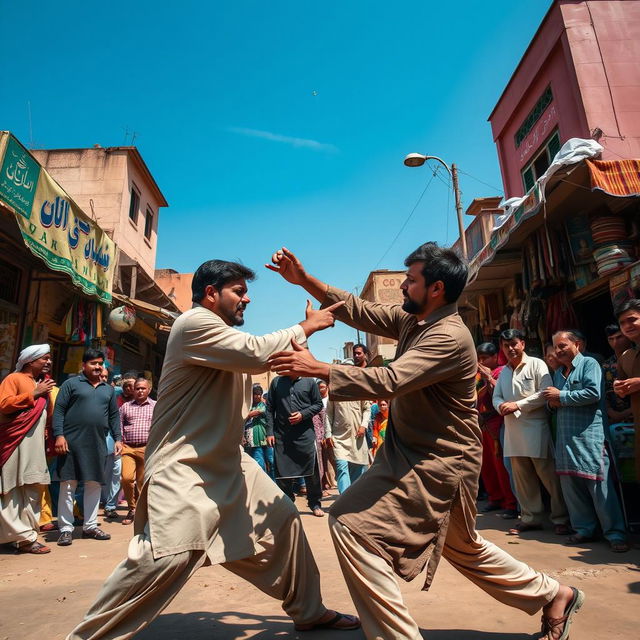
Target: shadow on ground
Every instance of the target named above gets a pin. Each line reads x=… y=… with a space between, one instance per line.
x=233 y=625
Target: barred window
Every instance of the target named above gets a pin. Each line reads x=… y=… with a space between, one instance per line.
x=534 y=115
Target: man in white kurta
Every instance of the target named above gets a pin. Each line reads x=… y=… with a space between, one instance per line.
x=205 y=501
x=527 y=435
x=345 y=426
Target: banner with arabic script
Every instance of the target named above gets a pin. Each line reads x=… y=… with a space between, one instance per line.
x=52 y=225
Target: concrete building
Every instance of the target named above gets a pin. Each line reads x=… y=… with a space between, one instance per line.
x=579 y=77
x=382 y=286
x=177 y=286
x=115 y=187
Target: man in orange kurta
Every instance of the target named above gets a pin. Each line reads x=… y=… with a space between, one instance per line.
x=24 y=396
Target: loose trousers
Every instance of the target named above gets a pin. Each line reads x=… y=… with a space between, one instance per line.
x=528 y=473
x=20 y=514
x=312 y=483
x=132 y=477
x=594 y=501
x=90 y=503
x=111 y=487
x=141 y=587
x=494 y=474
x=375 y=592
x=347 y=473
x=329 y=467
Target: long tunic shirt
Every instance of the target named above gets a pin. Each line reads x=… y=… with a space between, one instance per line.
x=83 y=414
x=28 y=463
x=201 y=490
x=295 y=450
x=528 y=434
x=580 y=433
x=432 y=454
x=342 y=423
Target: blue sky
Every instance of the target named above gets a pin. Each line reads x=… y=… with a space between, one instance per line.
x=271 y=123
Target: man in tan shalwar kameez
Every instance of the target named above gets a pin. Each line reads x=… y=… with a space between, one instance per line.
x=205 y=501
x=417 y=501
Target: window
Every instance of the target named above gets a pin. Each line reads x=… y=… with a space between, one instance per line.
x=534 y=115
x=134 y=205
x=148 y=224
x=541 y=161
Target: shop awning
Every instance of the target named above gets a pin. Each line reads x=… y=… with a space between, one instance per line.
x=145 y=308
x=620 y=178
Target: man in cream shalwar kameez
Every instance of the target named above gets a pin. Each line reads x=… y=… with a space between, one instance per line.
x=417 y=501
x=345 y=426
x=204 y=500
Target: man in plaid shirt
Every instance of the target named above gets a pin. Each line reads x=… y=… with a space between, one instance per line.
x=135 y=418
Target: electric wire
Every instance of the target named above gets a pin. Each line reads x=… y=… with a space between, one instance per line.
x=406 y=222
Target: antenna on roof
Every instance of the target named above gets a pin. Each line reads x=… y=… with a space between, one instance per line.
x=127 y=133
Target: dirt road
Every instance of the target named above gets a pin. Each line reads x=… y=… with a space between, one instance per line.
x=42 y=597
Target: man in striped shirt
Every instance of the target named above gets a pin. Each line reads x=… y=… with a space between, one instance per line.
x=135 y=418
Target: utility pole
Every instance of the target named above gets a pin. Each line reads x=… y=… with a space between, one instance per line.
x=456 y=191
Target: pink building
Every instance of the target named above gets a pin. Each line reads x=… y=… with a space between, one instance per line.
x=579 y=77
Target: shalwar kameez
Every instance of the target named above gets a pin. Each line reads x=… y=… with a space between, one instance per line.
x=205 y=501
x=417 y=501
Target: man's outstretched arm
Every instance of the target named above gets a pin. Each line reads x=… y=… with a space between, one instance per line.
x=379 y=319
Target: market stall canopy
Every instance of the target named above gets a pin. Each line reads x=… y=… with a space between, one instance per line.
x=573 y=171
x=146 y=309
x=52 y=225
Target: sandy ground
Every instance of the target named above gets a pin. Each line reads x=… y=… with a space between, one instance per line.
x=42 y=597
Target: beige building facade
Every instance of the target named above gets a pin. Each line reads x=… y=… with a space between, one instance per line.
x=382 y=286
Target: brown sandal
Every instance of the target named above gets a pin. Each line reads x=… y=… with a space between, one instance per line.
x=549 y=624
x=34 y=547
x=129 y=517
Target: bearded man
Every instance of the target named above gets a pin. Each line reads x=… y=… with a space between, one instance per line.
x=24 y=400
x=416 y=502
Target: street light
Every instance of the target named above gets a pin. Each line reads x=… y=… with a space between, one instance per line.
x=417 y=160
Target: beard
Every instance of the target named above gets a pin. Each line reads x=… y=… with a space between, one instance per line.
x=237 y=319
x=411 y=306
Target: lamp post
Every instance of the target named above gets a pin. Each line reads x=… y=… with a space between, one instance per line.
x=417 y=160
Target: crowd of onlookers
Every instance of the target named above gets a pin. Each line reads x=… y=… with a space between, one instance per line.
x=544 y=426
x=546 y=429
x=67 y=449
x=308 y=443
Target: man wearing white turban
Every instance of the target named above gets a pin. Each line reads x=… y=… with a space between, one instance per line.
x=24 y=400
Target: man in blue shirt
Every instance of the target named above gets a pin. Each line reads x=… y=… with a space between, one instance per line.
x=581 y=459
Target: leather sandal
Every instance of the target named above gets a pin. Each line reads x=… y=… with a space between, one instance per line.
x=619 y=546
x=129 y=517
x=96 y=533
x=549 y=624
x=578 y=539
x=34 y=547
x=521 y=527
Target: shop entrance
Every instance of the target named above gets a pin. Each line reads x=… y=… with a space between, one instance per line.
x=594 y=315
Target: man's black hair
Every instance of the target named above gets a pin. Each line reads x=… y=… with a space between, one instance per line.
x=143 y=379
x=511 y=334
x=362 y=346
x=612 y=329
x=629 y=305
x=257 y=389
x=131 y=375
x=217 y=273
x=487 y=349
x=92 y=354
x=441 y=264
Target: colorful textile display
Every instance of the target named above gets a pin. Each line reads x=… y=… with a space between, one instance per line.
x=616 y=177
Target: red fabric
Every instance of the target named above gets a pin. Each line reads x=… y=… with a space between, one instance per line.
x=494 y=474
x=12 y=433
